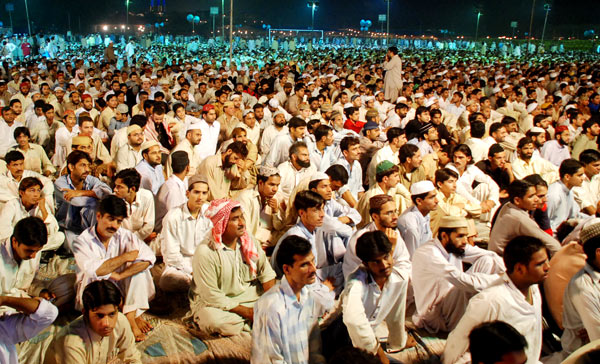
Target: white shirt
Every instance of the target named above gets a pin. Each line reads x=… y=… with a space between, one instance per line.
x=381 y=155
x=562 y=205
x=280 y=150
x=464 y=185
x=62 y=140
x=18 y=327
x=9 y=187
x=588 y=194
x=15 y=279
x=536 y=165
x=7 y=138
x=172 y=193
x=181 y=234
x=502 y=301
x=554 y=152
x=140 y=218
x=268 y=136
x=127 y=157
x=581 y=308
x=290 y=177
x=210 y=138
x=435 y=273
x=479 y=148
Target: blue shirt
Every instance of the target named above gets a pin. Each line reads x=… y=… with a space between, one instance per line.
x=562 y=205
x=414 y=228
x=355 y=183
x=152 y=177
x=285 y=329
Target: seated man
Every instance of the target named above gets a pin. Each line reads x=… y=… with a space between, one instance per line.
x=34 y=315
x=442 y=288
x=514 y=219
x=184 y=228
x=100 y=326
x=230 y=271
x=414 y=224
x=15 y=171
x=297 y=168
x=497 y=342
x=31 y=202
x=310 y=208
x=77 y=194
x=581 y=312
x=150 y=168
x=374 y=293
x=226 y=172
x=172 y=192
x=106 y=251
x=130 y=154
x=286 y=326
x=140 y=204
x=262 y=210
x=36 y=158
x=513 y=298
x=561 y=200
x=385 y=219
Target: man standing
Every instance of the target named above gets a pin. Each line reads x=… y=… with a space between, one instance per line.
x=282 y=143
x=211 y=129
x=229 y=270
x=513 y=298
x=105 y=251
x=393 y=74
x=193 y=137
x=286 y=323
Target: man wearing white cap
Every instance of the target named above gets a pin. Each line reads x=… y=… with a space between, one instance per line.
x=271 y=132
x=193 y=136
x=150 y=168
x=249 y=124
x=442 y=289
x=130 y=154
x=414 y=224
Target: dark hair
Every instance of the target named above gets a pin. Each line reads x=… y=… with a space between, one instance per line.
x=393 y=50
x=337 y=172
x=113 y=205
x=589 y=123
x=13 y=156
x=523 y=142
x=289 y=247
x=75 y=156
x=139 y=120
x=238 y=148
x=589 y=248
x=296 y=122
x=379 y=176
x=536 y=180
x=47 y=107
x=490 y=341
x=518 y=188
x=307 y=199
x=21 y=130
x=444 y=174
x=520 y=250
x=321 y=131
x=463 y=148
x=569 y=167
x=179 y=161
x=83 y=118
x=407 y=151
x=394 y=133
x=589 y=156
x=507 y=120
x=294 y=148
x=477 y=129
x=495 y=149
x=100 y=293
x=348 y=142
x=29 y=182
x=31 y=231
x=130 y=178
x=371 y=245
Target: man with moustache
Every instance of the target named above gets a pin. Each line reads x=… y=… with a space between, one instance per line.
x=226 y=172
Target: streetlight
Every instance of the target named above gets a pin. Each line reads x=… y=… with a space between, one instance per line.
x=530 y=24
x=27 y=13
x=223 y=20
x=313 y=5
x=387 y=30
x=477 y=28
x=127 y=5
x=547 y=7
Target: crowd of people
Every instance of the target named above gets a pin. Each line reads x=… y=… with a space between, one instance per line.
x=305 y=201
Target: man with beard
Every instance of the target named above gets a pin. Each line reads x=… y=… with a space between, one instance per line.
x=130 y=155
x=384 y=213
x=442 y=289
x=105 y=251
x=285 y=326
x=376 y=292
x=23 y=94
x=415 y=223
x=588 y=139
x=77 y=194
x=514 y=298
x=282 y=143
x=211 y=129
x=226 y=172
x=557 y=150
x=150 y=168
x=271 y=132
x=87 y=105
x=527 y=164
x=297 y=168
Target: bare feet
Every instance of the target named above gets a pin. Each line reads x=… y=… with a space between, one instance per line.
x=143 y=325
x=410 y=342
x=137 y=332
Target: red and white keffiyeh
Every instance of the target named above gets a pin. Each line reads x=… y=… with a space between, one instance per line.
x=218 y=212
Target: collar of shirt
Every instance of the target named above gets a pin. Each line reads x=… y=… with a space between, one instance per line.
x=7 y=252
x=290 y=296
x=438 y=244
x=592 y=273
x=70 y=182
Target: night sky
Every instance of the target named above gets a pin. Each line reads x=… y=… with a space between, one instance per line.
x=567 y=18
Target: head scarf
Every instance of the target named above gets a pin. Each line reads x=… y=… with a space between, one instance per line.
x=218 y=212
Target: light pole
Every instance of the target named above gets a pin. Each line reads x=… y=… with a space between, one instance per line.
x=223 y=20
x=313 y=5
x=230 y=31
x=547 y=7
x=387 y=29
x=477 y=28
x=530 y=24
x=127 y=18
x=27 y=14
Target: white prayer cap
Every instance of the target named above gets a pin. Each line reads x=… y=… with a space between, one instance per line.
x=419 y=95
x=401 y=99
x=148 y=144
x=347 y=105
x=369 y=98
x=266 y=171
x=193 y=126
x=248 y=111
x=541 y=79
x=163 y=81
x=505 y=87
x=319 y=176
x=422 y=187
x=453 y=222
x=536 y=130
x=278 y=112
x=133 y=128
x=235 y=96
x=496 y=89
x=123 y=108
x=532 y=107
x=153 y=77
x=429 y=102
x=570 y=107
x=78 y=83
x=553 y=75
x=59 y=89
x=145 y=79
x=377 y=93
x=274 y=102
